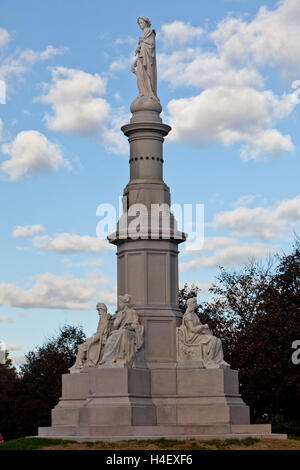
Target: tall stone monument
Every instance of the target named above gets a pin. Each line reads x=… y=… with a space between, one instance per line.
x=149 y=371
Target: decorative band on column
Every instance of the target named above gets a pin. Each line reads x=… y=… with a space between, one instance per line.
x=146 y=158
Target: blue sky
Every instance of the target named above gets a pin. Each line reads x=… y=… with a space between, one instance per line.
x=227 y=80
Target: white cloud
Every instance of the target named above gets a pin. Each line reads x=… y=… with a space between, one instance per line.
x=179 y=32
x=31 y=153
x=27 y=231
x=191 y=67
x=71 y=243
x=245 y=200
x=95 y=263
x=209 y=244
x=4 y=37
x=233 y=108
x=13 y=347
x=57 y=292
x=108 y=296
x=230 y=256
x=261 y=222
x=30 y=56
x=121 y=63
x=75 y=106
x=78 y=107
x=127 y=40
x=271 y=38
x=234 y=115
x=267 y=142
x=19 y=63
x=5 y=319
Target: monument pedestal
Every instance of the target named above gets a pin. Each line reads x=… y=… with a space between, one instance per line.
x=162 y=400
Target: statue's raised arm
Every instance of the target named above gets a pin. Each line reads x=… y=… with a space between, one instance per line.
x=145 y=64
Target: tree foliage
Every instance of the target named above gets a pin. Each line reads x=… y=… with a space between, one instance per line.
x=256 y=313
x=35 y=390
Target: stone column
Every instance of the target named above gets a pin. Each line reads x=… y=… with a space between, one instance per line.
x=148 y=264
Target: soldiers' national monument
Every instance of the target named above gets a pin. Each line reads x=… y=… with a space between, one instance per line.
x=150 y=371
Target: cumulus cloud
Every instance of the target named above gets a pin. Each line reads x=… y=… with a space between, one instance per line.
x=78 y=107
x=271 y=38
x=229 y=256
x=245 y=200
x=193 y=67
x=234 y=115
x=4 y=37
x=261 y=222
x=121 y=63
x=58 y=292
x=13 y=347
x=5 y=319
x=16 y=65
x=180 y=32
x=27 y=231
x=88 y=262
x=208 y=244
x=233 y=107
x=125 y=40
x=75 y=106
x=31 y=56
x=71 y=243
x=31 y=153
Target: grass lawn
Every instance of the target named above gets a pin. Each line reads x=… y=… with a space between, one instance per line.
x=292 y=443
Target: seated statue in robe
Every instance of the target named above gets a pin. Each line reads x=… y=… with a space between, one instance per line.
x=196 y=342
x=127 y=337
x=89 y=352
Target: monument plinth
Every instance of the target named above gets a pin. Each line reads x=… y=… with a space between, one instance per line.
x=149 y=371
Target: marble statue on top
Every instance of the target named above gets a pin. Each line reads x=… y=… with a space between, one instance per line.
x=195 y=342
x=144 y=65
x=89 y=352
x=127 y=335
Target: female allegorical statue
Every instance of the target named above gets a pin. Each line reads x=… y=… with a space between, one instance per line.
x=145 y=64
x=127 y=337
x=196 y=342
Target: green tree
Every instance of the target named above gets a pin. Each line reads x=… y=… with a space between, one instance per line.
x=8 y=381
x=37 y=387
x=256 y=313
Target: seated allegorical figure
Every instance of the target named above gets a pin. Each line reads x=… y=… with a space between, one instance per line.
x=196 y=342
x=127 y=337
x=89 y=352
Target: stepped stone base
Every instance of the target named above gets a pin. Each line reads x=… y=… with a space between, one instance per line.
x=160 y=400
x=112 y=433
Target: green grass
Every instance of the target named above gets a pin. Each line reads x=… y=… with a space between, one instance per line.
x=248 y=441
x=27 y=443
x=38 y=443
x=295 y=438
x=161 y=443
